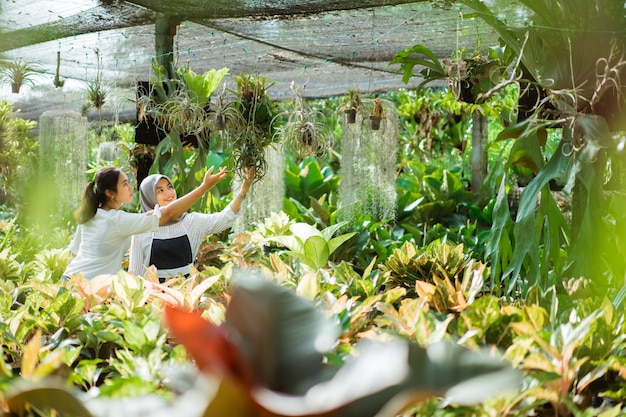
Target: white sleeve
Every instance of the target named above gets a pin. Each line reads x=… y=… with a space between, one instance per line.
x=75 y=243
x=136 y=223
x=138 y=255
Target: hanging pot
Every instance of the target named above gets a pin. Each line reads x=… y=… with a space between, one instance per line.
x=220 y=122
x=350 y=115
x=15 y=88
x=375 y=122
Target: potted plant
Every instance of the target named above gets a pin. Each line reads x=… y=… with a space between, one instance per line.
x=351 y=105
x=377 y=115
x=18 y=73
x=470 y=78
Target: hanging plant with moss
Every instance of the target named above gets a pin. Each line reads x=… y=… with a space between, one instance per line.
x=258 y=113
x=368 y=164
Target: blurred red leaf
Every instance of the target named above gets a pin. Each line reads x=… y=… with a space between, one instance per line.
x=208 y=344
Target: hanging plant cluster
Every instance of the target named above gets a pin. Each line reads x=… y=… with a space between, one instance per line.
x=176 y=103
x=368 y=167
x=253 y=107
x=304 y=130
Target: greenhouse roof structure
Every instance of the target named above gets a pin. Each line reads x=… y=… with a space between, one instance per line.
x=324 y=46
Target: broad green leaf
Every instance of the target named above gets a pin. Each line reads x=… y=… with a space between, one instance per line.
x=329 y=231
x=316 y=249
x=334 y=243
x=526 y=238
x=303 y=231
x=289 y=242
x=134 y=335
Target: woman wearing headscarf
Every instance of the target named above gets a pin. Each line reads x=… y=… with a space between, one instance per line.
x=104 y=230
x=173 y=247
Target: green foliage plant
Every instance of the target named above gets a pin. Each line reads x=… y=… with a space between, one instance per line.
x=470 y=78
x=235 y=357
x=577 y=58
x=17 y=152
x=439 y=264
x=311 y=246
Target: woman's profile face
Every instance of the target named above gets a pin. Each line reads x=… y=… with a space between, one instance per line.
x=165 y=192
x=124 y=193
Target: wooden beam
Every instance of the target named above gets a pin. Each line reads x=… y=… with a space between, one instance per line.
x=94 y=20
x=211 y=9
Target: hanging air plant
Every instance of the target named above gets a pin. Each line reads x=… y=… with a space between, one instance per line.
x=18 y=73
x=224 y=113
x=250 y=139
x=304 y=130
x=96 y=91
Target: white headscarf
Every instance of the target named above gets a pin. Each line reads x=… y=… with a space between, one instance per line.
x=147 y=193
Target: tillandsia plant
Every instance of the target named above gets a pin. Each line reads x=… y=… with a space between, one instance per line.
x=250 y=139
x=95 y=91
x=305 y=130
x=18 y=73
x=224 y=115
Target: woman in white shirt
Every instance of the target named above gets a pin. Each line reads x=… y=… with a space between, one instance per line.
x=172 y=248
x=104 y=231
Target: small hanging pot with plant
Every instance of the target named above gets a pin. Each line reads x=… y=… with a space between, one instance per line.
x=377 y=115
x=351 y=105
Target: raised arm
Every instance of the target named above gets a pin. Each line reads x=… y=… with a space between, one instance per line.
x=184 y=203
x=248 y=179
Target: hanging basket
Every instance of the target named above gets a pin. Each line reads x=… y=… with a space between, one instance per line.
x=350 y=115
x=375 y=122
x=220 y=122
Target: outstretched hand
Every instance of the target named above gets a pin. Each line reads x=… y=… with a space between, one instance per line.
x=249 y=176
x=210 y=179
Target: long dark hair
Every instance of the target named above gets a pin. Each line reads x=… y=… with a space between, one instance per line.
x=94 y=193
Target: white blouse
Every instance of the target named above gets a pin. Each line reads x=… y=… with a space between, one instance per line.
x=101 y=243
x=196 y=226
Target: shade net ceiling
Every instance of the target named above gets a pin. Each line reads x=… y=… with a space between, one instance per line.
x=325 y=46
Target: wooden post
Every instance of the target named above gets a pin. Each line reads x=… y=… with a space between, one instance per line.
x=164 y=30
x=479 y=153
